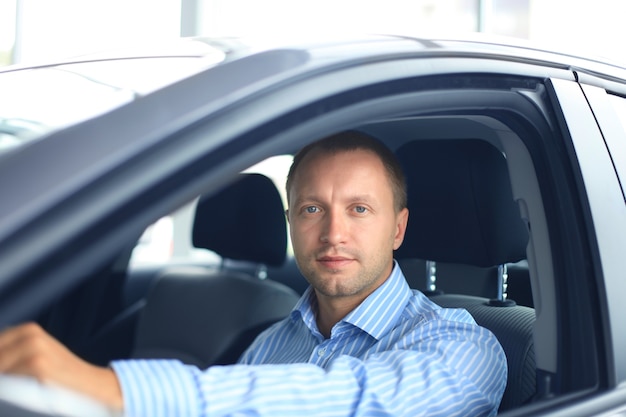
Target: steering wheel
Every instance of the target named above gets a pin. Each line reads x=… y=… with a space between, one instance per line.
x=23 y=396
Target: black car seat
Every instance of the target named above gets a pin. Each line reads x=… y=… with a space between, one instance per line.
x=461 y=211
x=205 y=316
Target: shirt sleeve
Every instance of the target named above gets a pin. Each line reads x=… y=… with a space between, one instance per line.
x=455 y=369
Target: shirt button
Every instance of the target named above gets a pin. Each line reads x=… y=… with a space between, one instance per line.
x=321 y=351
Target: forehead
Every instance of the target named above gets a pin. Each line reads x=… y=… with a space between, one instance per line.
x=352 y=159
x=342 y=167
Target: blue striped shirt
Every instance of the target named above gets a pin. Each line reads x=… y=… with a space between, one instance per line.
x=396 y=354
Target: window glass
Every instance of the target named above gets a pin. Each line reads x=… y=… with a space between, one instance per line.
x=619 y=104
x=617 y=143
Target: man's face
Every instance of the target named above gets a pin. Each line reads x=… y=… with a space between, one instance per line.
x=343 y=223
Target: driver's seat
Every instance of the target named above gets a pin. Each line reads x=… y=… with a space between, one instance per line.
x=462 y=211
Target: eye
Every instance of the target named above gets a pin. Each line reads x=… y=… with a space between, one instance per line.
x=360 y=209
x=311 y=209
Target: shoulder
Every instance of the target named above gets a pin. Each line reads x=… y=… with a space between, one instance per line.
x=425 y=320
x=424 y=309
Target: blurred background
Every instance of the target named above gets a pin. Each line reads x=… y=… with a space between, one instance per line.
x=32 y=31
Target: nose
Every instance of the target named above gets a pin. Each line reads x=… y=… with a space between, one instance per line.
x=334 y=229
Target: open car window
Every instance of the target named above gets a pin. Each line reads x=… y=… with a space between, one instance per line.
x=168 y=240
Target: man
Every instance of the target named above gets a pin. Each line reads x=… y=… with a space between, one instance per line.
x=359 y=341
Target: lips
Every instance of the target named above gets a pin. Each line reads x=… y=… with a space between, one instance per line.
x=334 y=262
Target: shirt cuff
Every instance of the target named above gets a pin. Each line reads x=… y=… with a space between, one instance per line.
x=157 y=388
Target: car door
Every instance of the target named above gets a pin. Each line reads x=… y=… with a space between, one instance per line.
x=593 y=139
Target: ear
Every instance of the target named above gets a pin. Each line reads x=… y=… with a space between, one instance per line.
x=287 y=215
x=402 y=219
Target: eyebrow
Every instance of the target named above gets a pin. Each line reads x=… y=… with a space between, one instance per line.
x=359 y=198
x=365 y=198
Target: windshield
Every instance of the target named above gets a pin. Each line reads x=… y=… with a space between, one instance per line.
x=35 y=101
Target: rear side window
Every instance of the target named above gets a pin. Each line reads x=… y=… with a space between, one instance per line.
x=619 y=104
x=617 y=145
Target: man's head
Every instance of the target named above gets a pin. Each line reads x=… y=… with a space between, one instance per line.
x=347 y=212
x=350 y=141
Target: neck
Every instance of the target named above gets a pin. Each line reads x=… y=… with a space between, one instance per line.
x=333 y=308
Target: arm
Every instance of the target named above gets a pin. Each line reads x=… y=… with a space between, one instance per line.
x=454 y=369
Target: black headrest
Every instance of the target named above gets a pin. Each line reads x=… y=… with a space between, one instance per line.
x=461 y=207
x=245 y=221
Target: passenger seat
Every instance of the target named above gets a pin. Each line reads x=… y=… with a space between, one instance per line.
x=203 y=316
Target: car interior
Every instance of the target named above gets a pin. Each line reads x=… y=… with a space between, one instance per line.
x=472 y=195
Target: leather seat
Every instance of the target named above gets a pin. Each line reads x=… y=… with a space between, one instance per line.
x=461 y=211
x=206 y=316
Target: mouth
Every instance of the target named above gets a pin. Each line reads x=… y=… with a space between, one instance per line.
x=334 y=262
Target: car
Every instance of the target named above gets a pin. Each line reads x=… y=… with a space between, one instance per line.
x=515 y=158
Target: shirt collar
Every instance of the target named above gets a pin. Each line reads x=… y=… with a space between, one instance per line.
x=305 y=309
x=376 y=315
